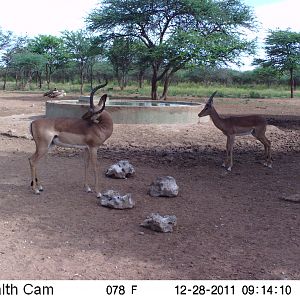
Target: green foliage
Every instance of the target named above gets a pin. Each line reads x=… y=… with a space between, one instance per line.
x=255 y=95
x=47 y=45
x=81 y=48
x=282 y=53
x=53 y=51
x=196 y=91
x=192 y=91
x=121 y=55
x=28 y=60
x=177 y=32
x=78 y=44
x=283 y=49
x=187 y=42
x=26 y=64
x=5 y=38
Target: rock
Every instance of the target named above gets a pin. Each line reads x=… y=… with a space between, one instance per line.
x=292 y=198
x=160 y=223
x=121 y=169
x=164 y=186
x=55 y=93
x=113 y=199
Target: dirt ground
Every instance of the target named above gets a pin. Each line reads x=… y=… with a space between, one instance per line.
x=231 y=225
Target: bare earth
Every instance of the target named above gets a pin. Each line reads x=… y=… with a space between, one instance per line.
x=230 y=225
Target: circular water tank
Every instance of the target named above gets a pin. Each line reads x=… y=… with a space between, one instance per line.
x=131 y=111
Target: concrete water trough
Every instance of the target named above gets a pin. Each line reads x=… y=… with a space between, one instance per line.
x=131 y=111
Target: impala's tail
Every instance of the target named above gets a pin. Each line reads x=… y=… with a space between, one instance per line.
x=30 y=128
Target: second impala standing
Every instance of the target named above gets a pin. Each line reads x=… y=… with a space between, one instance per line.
x=238 y=125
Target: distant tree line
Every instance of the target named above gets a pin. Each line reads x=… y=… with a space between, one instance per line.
x=160 y=41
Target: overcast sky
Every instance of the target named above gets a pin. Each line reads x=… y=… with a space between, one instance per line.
x=274 y=14
x=34 y=17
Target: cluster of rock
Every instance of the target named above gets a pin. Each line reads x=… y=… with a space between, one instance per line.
x=164 y=186
x=122 y=169
x=113 y=199
x=160 y=223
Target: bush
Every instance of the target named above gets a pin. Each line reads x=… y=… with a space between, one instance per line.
x=255 y=95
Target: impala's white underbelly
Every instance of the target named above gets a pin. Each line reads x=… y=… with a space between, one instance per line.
x=61 y=143
x=244 y=133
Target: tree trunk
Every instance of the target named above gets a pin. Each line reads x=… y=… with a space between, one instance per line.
x=123 y=80
x=4 y=80
x=117 y=72
x=141 y=78
x=63 y=75
x=91 y=76
x=81 y=77
x=166 y=87
x=22 y=79
x=39 y=75
x=37 y=78
x=29 y=78
x=48 y=75
x=17 y=79
x=154 y=95
x=292 y=82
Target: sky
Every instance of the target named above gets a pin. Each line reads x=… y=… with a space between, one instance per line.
x=48 y=17
x=34 y=17
x=273 y=14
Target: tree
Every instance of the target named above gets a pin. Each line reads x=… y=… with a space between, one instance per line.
x=121 y=56
x=6 y=42
x=52 y=49
x=177 y=32
x=142 y=61
x=282 y=53
x=81 y=48
x=5 y=46
x=26 y=64
x=266 y=74
x=13 y=45
x=5 y=38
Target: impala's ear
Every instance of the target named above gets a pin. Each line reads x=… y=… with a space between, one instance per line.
x=211 y=99
x=95 y=111
x=87 y=115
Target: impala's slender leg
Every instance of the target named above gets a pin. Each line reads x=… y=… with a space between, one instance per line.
x=267 y=145
x=40 y=151
x=94 y=162
x=225 y=163
x=86 y=158
x=229 y=152
x=226 y=160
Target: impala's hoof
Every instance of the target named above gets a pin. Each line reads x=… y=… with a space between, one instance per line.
x=37 y=192
x=268 y=165
x=229 y=169
x=99 y=195
x=88 y=189
x=40 y=188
